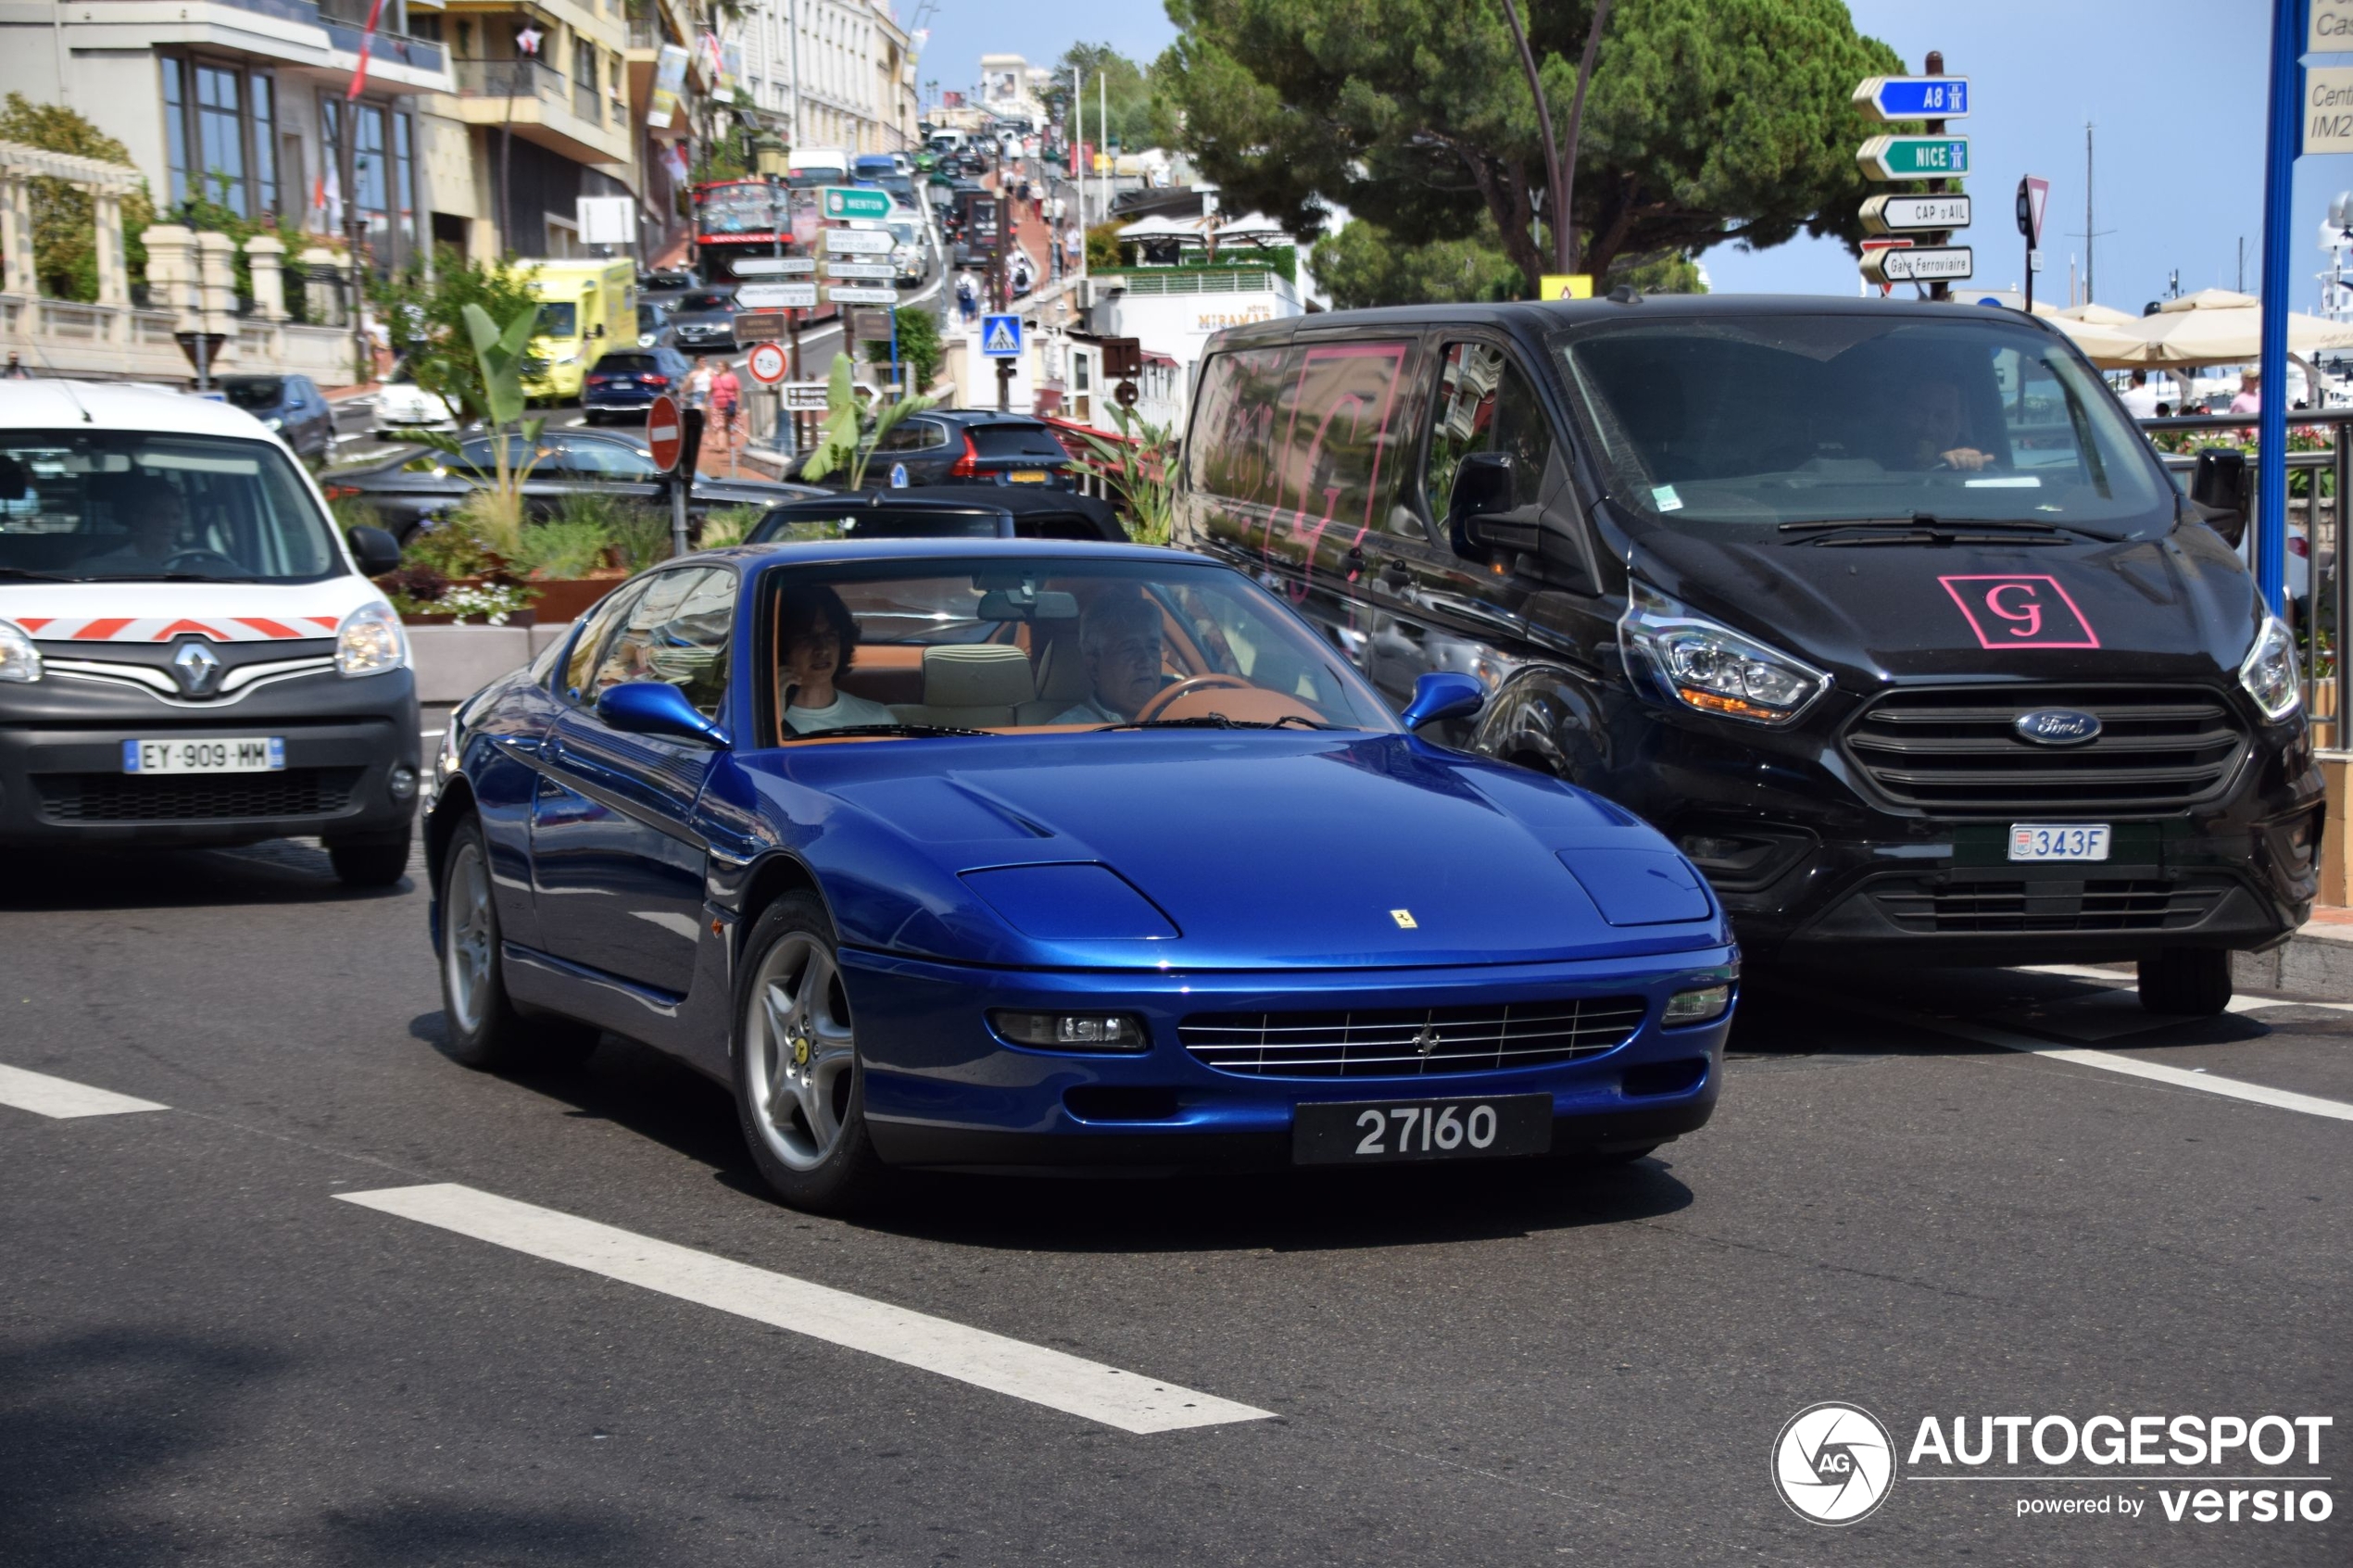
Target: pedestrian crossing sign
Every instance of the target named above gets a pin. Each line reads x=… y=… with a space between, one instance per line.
x=1000 y=336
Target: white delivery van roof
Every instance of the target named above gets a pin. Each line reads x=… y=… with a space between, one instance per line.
x=45 y=405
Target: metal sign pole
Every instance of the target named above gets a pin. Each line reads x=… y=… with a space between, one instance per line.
x=2279 y=190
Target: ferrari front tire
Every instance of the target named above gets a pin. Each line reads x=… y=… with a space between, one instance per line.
x=799 y=1085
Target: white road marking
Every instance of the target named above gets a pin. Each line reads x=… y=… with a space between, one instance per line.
x=2108 y=1061
x=2239 y=1004
x=1012 y=1367
x=61 y=1098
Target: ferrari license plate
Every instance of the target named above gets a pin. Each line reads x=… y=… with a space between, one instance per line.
x=1379 y=1132
x=1026 y=476
x=2058 y=841
x=256 y=754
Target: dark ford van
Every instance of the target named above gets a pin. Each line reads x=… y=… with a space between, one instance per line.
x=1884 y=612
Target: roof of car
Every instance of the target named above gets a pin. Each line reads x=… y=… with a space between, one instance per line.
x=51 y=403
x=1018 y=500
x=1552 y=315
x=828 y=552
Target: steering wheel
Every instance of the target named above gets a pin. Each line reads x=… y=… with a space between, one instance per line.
x=187 y=560
x=1158 y=703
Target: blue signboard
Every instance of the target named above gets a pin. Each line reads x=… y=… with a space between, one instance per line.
x=1000 y=336
x=1915 y=97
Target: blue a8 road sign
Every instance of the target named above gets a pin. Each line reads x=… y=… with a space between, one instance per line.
x=1000 y=337
x=1914 y=97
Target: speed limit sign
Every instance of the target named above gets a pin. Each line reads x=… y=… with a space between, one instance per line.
x=766 y=363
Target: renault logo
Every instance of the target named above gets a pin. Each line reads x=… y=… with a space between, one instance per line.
x=198 y=668
x=2056 y=726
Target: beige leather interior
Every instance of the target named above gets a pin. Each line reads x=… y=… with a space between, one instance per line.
x=972 y=685
x=1061 y=680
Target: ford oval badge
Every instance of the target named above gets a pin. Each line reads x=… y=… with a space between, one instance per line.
x=2057 y=726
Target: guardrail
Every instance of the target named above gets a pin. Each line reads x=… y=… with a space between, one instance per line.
x=2328 y=698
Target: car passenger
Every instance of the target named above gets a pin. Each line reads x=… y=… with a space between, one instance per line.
x=1119 y=638
x=820 y=637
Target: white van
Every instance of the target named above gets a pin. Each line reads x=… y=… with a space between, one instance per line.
x=817 y=165
x=191 y=653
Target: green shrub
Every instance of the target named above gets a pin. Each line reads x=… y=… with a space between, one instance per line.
x=448 y=547
x=728 y=525
x=563 y=547
x=640 y=537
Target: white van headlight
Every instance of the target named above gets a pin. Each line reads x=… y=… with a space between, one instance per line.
x=1685 y=658
x=370 y=641
x=19 y=661
x=2269 y=673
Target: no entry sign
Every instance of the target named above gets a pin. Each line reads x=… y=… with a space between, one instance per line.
x=663 y=435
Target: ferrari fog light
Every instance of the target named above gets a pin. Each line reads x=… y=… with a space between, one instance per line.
x=19 y=661
x=403 y=781
x=1697 y=1007
x=1074 y=1030
x=2269 y=673
x=370 y=640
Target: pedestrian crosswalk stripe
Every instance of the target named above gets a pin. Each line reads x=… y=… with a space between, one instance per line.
x=1012 y=1367
x=62 y=1098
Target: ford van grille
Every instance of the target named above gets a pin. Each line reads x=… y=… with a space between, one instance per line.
x=1957 y=750
x=221 y=797
x=1411 y=1042
x=2055 y=905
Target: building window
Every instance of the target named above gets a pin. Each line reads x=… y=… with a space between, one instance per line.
x=220 y=128
x=384 y=172
x=175 y=128
x=221 y=136
x=265 y=152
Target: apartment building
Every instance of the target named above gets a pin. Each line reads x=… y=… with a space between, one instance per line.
x=856 y=70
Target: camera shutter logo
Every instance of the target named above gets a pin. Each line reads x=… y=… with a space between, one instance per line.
x=1833 y=1463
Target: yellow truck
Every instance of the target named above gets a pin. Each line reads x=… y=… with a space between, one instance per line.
x=588 y=307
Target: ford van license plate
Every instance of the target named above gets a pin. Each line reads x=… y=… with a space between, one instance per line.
x=2058 y=841
x=258 y=754
x=1365 y=1132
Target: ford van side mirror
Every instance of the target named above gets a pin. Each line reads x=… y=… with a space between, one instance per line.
x=1442 y=695
x=376 y=551
x=2219 y=490
x=1484 y=487
x=657 y=707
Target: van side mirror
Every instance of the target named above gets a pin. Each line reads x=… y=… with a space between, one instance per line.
x=2219 y=490
x=596 y=330
x=376 y=551
x=1483 y=489
x=657 y=707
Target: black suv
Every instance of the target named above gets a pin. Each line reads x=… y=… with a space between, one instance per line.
x=967 y=447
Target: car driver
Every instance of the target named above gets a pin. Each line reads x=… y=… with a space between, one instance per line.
x=151 y=509
x=1119 y=639
x=1932 y=423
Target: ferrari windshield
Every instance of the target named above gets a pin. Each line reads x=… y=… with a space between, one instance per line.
x=1010 y=644
x=106 y=506
x=1765 y=420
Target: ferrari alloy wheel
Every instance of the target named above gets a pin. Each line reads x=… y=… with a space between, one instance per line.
x=483 y=1028
x=799 y=1090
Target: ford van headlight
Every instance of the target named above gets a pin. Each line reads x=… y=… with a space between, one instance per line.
x=19 y=661
x=370 y=641
x=2269 y=673
x=1683 y=657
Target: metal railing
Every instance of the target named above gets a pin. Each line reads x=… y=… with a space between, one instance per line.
x=2327 y=606
x=507 y=79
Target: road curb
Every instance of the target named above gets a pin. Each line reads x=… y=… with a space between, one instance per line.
x=2317 y=961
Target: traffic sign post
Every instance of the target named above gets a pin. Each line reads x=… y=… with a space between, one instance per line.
x=852 y=201
x=1934 y=97
x=766 y=363
x=856 y=242
x=1870 y=248
x=776 y=296
x=772 y=265
x=755 y=325
x=1913 y=158
x=1904 y=215
x=2034 y=196
x=1924 y=264
x=861 y=295
x=805 y=396
x=1913 y=98
x=662 y=431
x=1000 y=336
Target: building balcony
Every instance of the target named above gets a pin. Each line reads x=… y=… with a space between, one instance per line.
x=297 y=32
x=539 y=104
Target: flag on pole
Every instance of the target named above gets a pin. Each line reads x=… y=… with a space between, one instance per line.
x=367 y=46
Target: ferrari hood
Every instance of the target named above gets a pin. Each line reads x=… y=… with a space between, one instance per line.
x=1242 y=852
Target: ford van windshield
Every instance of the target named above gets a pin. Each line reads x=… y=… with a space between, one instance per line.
x=1787 y=420
x=101 y=506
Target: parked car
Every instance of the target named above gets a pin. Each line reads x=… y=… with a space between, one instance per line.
x=626 y=382
x=292 y=406
x=970 y=446
x=944 y=511
x=704 y=320
x=1883 y=610
x=925 y=919
x=401 y=404
x=661 y=283
x=407 y=491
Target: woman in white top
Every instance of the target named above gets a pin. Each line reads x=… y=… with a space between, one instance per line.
x=820 y=637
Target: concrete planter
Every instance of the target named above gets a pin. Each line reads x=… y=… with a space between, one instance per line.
x=454 y=662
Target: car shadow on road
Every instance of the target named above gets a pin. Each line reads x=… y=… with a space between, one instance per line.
x=281 y=871
x=1792 y=1014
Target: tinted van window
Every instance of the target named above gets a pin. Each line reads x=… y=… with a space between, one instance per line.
x=1782 y=418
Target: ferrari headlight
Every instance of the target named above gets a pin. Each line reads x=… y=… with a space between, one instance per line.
x=370 y=641
x=19 y=661
x=1697 y=1007
x=2269 y=673
x=1074 y=1030
x=1685 y=658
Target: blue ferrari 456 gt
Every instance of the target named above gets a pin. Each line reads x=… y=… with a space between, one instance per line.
x=1013 y=853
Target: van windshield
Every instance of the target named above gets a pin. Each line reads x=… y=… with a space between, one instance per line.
x=1770 y=419
x=116 y=506
x=560 y=319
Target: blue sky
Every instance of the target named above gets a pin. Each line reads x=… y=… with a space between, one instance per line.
x=2175 y=87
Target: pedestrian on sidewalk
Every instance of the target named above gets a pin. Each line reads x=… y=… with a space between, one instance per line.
x=699 y=385
x=726 y=391
x=967 y=299
x=16 y=370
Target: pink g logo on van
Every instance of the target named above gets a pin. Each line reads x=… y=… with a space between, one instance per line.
x=2021 y=612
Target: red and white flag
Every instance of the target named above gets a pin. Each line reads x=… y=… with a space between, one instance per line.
x=367 y=46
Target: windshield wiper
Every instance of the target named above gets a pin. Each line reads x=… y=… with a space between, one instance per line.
x=886 y=730
x=1924 y=529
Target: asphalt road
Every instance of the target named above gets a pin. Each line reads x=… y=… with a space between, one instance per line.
x=206 y=1358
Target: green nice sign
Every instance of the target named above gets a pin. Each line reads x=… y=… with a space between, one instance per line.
x=1914 y=158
